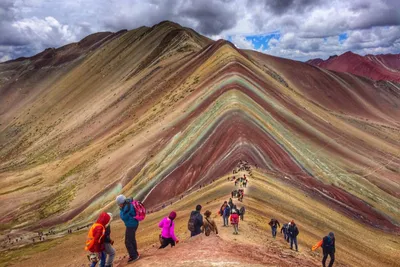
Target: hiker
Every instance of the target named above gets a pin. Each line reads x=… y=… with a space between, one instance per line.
x=128 y=214
x=95 y=240
x=226 y=213
x=293 y=233
x=284 y=230
x=168 y=231
x=230 y=203
x=328 y=248
x=235 y=221
x=108 y=244
x=195 y=222
x=274 y=225
x=209 y=225
x=242 y=211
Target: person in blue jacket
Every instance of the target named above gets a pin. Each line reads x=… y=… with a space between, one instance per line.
x=127 y=214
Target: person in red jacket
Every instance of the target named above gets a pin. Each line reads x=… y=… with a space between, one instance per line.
x=235 y=221
x=95 y=242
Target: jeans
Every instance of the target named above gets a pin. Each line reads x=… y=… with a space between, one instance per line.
x=110 y=251
x=274 y=231
x=226 y=221
x=102 y=256
x=330 y=253
x=236 y=228
x=166 y=242
x=130 y=242
x=293 y=240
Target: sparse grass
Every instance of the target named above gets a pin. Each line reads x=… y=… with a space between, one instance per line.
x=57 y=202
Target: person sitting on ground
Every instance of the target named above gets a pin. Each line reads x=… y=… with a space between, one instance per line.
x=328 y=248
x=293 y=233
x=209 y=225
x=195 y=222
x=284 y=230
x=225 y=214
x=108 y=242
x=242 y=211
x=235 y=221
x=274 y=225
x=168 y=230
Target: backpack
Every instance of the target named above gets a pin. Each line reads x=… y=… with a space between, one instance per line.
x=192 y=222
x=140 y=210
x=207 y=228
x=90 y=238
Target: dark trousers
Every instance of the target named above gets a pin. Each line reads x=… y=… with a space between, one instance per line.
x=293 y=240
x=241 y=217
x=130 y=242
x=274 y=231
x=167 y=241
x=330 y=253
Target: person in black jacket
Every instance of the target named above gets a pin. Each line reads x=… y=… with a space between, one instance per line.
x=328 y=248
x=108 y=242
x=293 y=233
x=197 y=220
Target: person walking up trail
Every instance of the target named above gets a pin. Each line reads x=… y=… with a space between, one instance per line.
x=128 y=214
x=274 y=226
x=242 y=211
x=328 y=248
x=195 y=222
x=209 y=225
x=168 y=231
x=293 y=233
x=284 y=230
x=226 y=214
x=235 y=222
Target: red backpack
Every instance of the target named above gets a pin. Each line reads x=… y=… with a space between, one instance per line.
x=140 y=210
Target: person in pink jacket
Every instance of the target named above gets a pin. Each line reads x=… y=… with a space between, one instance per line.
x=168 y=230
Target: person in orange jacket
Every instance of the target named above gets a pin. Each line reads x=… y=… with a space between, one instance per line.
x=95 y=241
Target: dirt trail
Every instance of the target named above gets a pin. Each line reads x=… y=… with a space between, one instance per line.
x=252 y=247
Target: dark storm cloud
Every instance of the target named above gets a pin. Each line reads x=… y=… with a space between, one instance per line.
x=29 y=26
x=279 y=7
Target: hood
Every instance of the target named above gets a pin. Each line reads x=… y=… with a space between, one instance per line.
x=194 y=212
x=103 y=219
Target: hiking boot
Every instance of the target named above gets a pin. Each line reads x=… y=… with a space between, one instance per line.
x=133 y=259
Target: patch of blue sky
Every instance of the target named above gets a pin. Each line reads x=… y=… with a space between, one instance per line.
x=262 y=41
x=342 y=37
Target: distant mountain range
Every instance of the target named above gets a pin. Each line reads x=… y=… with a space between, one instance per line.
x=376 y=67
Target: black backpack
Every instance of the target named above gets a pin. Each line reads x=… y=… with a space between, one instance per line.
x=192 y=222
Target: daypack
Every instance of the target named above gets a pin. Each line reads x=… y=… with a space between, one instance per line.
x=192 y=222
x=207 y=228
x=140 y=210
x=90 y=238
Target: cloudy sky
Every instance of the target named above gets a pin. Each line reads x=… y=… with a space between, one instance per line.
x=296 y=29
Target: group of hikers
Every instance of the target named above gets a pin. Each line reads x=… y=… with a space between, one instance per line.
x=290 y=232
x=100 y=244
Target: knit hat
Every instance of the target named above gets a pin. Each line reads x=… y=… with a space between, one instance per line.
x=120 y=199
x=198 y=207
x=331 y=234
x=172 y=215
